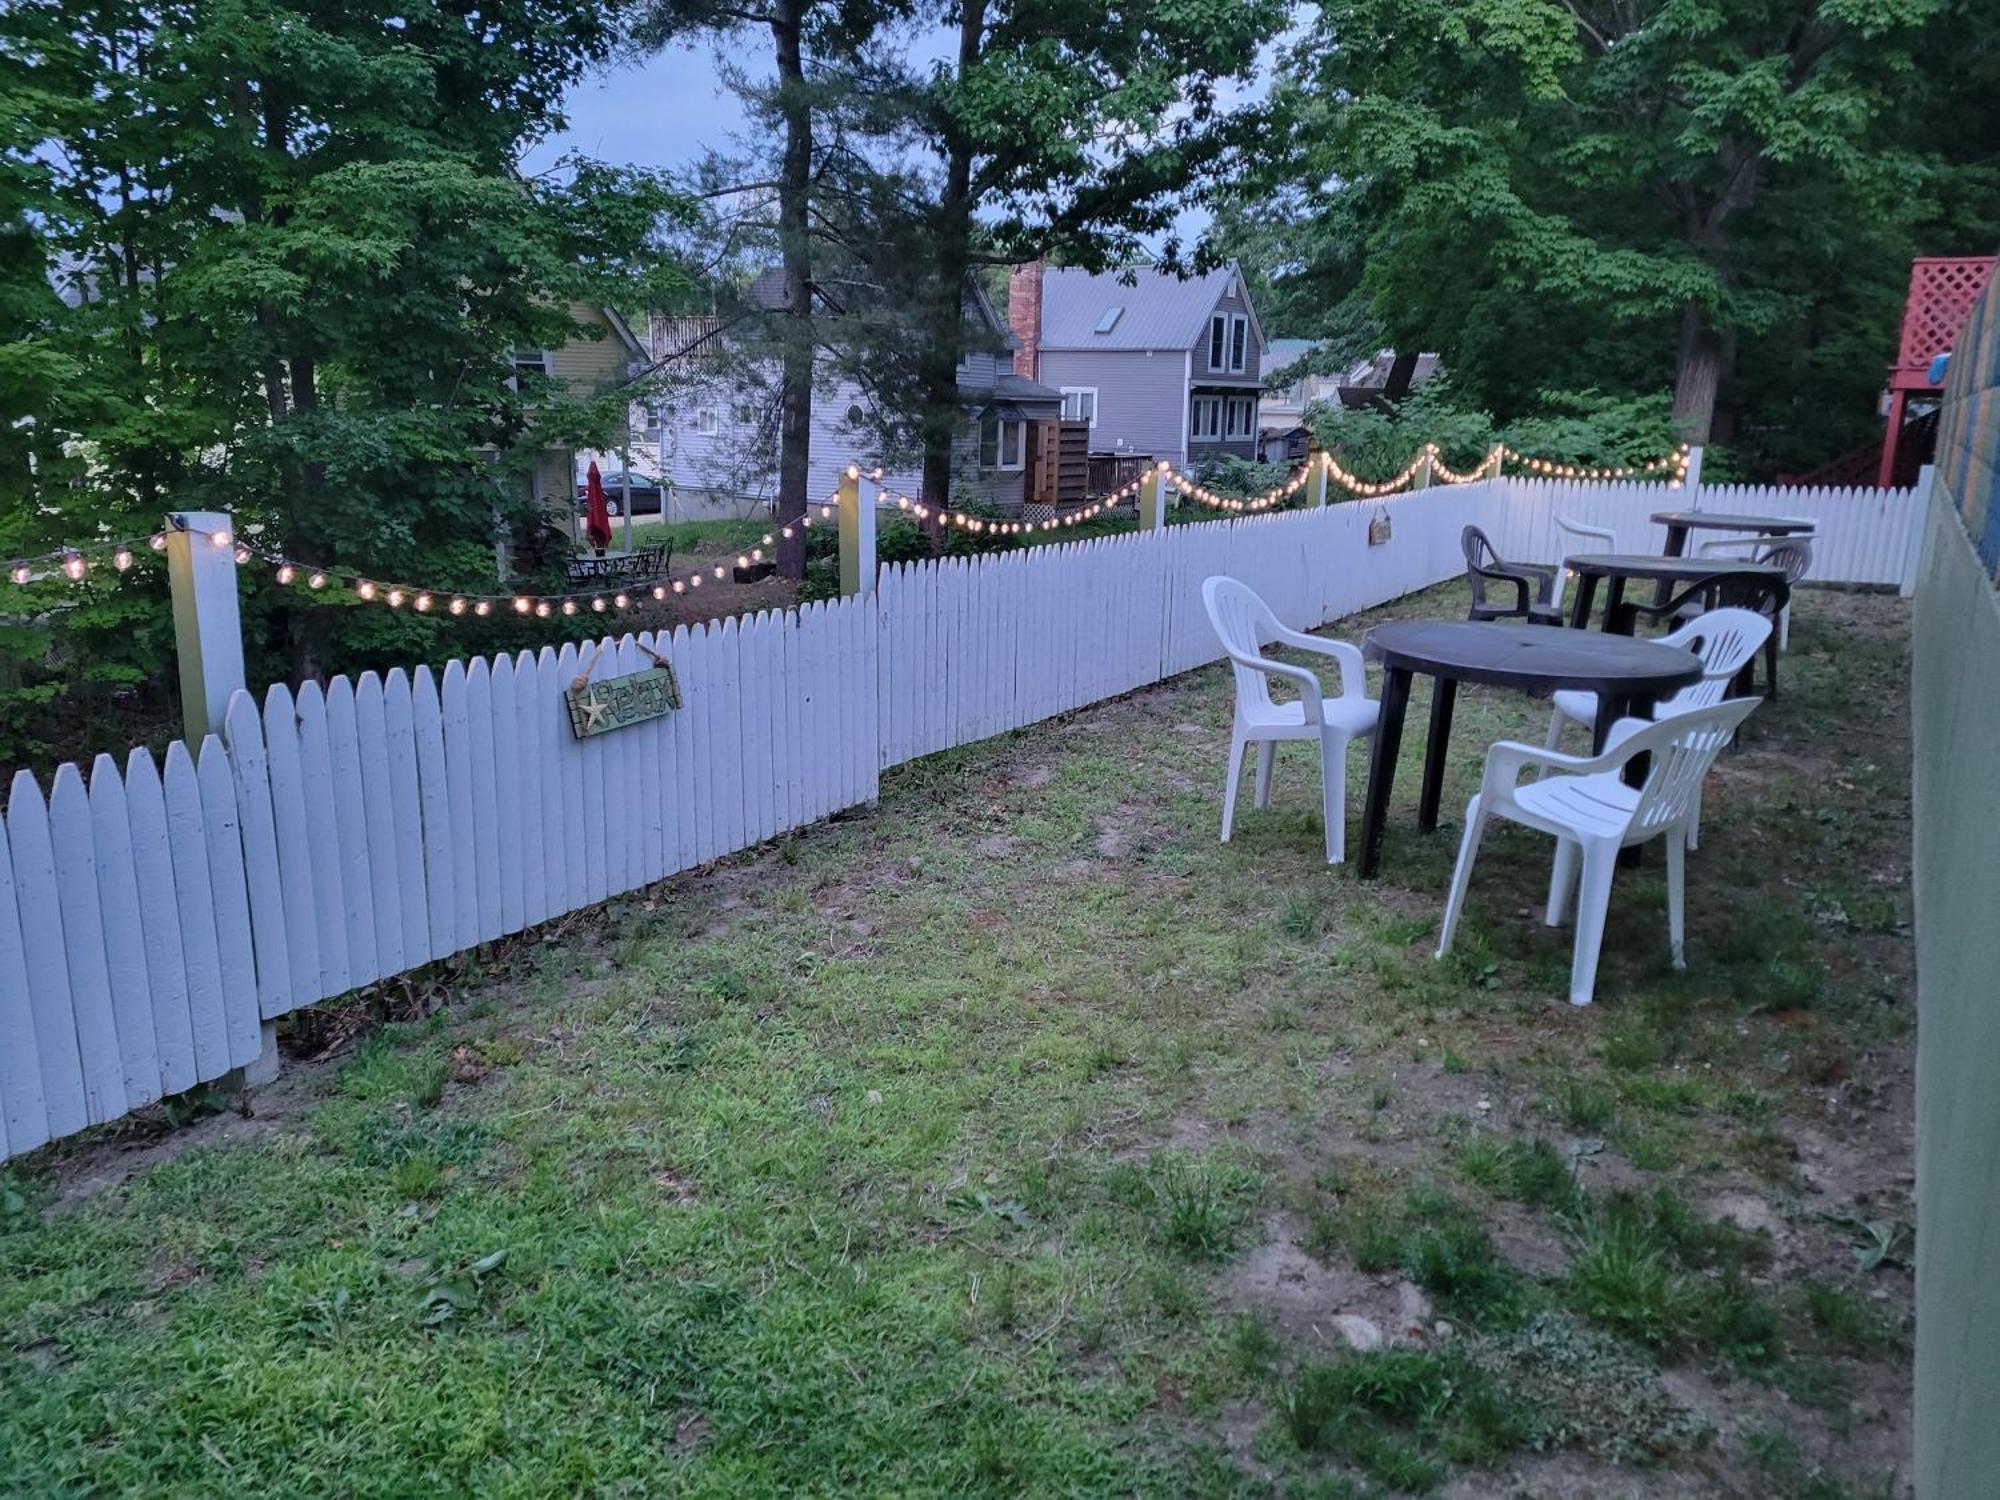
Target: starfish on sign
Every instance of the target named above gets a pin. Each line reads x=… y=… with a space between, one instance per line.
x=594 y=709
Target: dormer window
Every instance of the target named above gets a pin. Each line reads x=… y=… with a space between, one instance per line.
x=1109 y=320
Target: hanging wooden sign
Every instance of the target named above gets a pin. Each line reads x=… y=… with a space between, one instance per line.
x=620 y=702
x=1378 y=528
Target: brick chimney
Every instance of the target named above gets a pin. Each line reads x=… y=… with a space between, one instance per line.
x=1024 y=317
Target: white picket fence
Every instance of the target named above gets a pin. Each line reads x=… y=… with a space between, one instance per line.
x=151 y=917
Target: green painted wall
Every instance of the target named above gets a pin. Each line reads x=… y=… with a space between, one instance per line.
x=1955 y=712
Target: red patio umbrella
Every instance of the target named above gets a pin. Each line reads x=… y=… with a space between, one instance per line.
x=596 y=514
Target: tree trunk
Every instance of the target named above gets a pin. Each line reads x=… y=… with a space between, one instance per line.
x=796 y=378
x=938 y=361
x=1697 y=375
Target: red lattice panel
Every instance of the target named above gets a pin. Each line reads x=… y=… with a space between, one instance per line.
x=1942 y=291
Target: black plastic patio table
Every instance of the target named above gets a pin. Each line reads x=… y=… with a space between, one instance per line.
x=1666 y=570
x=1629 y=677
x=1680 y=522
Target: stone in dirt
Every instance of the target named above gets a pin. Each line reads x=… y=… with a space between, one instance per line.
x=1413 y=1308
x=1746 y=1211
x=1360 y=1334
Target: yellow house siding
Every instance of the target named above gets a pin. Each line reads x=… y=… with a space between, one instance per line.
x=588 y=365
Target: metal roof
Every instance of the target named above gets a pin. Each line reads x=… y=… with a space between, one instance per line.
x=1160 y=311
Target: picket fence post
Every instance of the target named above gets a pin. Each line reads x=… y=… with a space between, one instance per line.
x=208 y=644
x=208 y=629
x=1691 y=480
x=1153 y=497
x=1316 y=461
x=857 y=535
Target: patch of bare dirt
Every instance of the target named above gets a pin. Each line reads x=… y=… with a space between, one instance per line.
x=1313 y=1304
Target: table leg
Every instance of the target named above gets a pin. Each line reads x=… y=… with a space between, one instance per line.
x=1635 y=769
x=1579 y=609
x=1382 y=766
x=1443 y=697
x=1614 y=605
x=1677 y=540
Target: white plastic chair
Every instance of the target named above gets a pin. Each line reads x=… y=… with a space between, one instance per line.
x=1593 y=814
x=1574 y=528
x=1724 y=639
x=1245 y=623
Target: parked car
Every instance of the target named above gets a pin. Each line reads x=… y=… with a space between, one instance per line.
x=646 y=497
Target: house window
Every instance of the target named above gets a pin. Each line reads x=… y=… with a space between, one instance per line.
x=1109 y=319
x=707 y=421
x=1240 y=416
x=1080 y=404
x=1002 y=443
x=1206 y=418
x=528 y=362
x=1228 y=342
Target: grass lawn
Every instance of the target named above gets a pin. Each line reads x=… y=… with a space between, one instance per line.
x=1014 y=1137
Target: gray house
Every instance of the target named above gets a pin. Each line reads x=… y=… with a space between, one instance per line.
x=1159 y=366
x=712 y=435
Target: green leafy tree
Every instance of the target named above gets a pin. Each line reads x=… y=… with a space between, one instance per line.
x=1567 y=194
x=291 y=259
x=1075 y=131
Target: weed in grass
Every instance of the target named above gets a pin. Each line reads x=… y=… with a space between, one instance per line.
x=1174 y=1293
x=1407 y=930
x=1195 y=1214
x=1788 y=1474
x=1844 y=1320
x=1622 y=1280
x=1639 y=1273
x=1300 y=918
x=419 y=1178
x=428 y=1092
x=1453 y=1062
x=1253 y=1347
x=1456 y=1262
x=1398 y=1414
x=1630 y=1049
x=1583 y=1106
x=1485 y=1160
x=1584 y=1389
x=1538 y=1175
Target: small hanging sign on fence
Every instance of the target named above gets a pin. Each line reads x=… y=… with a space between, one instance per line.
x=619 y=702
x=1378 y=528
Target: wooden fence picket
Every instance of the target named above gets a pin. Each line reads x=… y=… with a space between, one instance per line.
x=323 y=841
x=193 y=915
x=229 y=884
x=116 y=881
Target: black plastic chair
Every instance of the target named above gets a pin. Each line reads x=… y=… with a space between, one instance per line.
x=1765 y=593
x=1533 y=585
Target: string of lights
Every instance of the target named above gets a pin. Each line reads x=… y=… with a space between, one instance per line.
x=77 y=562
x=983 y=525
x=1240 y=504
x=425 y=600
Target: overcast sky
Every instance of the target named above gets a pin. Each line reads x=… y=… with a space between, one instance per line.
x=664 y=112
x=669 y=109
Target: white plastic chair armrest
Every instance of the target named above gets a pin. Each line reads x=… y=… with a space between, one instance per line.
x=1299 y=677
x=1577 y=528
x=1507 y=759
x=1353 y=670
x=1628 y=726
